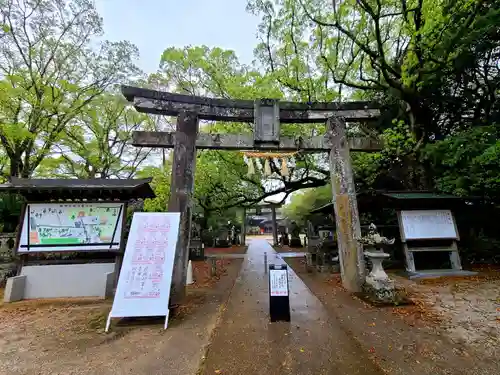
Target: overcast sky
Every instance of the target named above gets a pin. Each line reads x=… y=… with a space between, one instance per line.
x=154 y=25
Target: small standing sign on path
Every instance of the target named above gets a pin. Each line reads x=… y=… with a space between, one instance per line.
x=146 y=274
x=279 y=296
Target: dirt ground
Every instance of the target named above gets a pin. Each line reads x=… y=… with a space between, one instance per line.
x=65 y=336
x=426 y=337
x=288 y=249
x=469 y=307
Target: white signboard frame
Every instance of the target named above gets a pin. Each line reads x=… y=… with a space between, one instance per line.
x=146 y=274
x=278 y=282
x=71 y=226
x=427 y=225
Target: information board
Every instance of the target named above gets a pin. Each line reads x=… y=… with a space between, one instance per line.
x=278 y=282
x=144 y=284
x=49 y=227
x=279 y=299
x=428 y=224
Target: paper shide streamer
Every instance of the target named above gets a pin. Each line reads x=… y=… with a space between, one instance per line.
x=265 y=158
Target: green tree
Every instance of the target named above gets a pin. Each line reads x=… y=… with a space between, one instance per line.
x=304 y=201
x=221 y=184
x=161 y=186
x=10 y=210
x=52 y=68
x=435 y=60
x=433 y=64
x=215 y=72
x=467 y=163
x=96 y=143
x=218 y=186
x=4 y=164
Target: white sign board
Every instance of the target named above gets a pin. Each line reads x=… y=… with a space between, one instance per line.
x=278 y=283
x=428 y=224
x=144 y=285
x=50 y=227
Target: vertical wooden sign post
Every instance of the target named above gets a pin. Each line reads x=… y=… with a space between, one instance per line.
x=279 y=293
x=351 y=257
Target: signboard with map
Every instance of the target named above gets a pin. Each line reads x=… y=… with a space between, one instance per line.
x=50 y=227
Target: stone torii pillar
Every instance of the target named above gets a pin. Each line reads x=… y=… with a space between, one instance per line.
x=181 y=194
x=352 y=263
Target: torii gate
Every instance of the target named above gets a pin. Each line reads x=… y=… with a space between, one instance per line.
x=267 y=114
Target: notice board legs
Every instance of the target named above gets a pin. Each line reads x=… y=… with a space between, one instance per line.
x=279 y=309
x=410 y=261
x=166 y=319
x=456 y=264
x=108 y=322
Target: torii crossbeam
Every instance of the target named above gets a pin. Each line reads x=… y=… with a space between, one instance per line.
x=267 y=114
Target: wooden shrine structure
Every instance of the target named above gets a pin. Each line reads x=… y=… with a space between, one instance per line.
x=267 y=115
x=425 y=223
x=257 y=209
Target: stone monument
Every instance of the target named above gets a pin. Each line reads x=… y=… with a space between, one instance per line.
x=378 y=286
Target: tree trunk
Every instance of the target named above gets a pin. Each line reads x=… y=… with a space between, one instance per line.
x=16 y=167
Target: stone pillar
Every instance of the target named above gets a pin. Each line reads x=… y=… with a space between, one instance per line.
x=181 y=192
x=275 y=226
x=244 y=227
x=352 y=264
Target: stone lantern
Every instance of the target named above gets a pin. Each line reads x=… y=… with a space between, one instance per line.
x=377 y=284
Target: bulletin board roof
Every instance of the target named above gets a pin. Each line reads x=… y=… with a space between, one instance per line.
x=36 y=190
x=368 y=201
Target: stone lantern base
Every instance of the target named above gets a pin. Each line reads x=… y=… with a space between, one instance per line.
x=378 y=286
x=380 y=291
